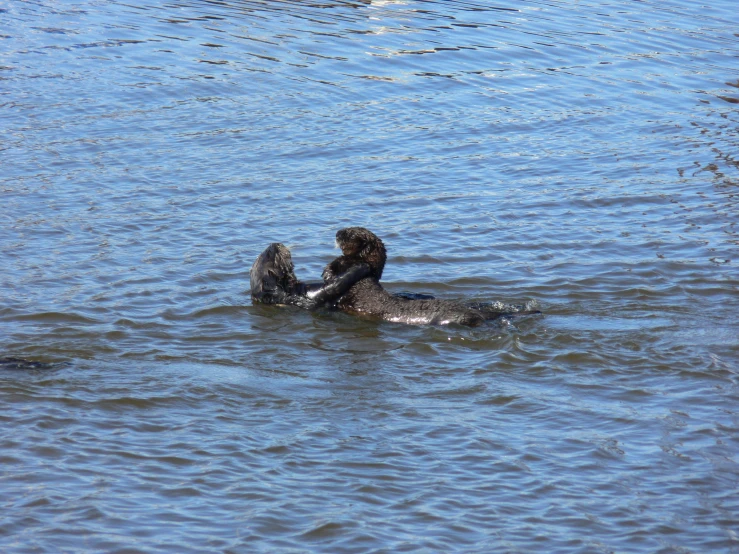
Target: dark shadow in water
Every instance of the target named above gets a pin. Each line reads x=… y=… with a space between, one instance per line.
x=20 y=364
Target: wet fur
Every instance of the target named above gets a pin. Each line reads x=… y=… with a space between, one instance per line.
x=272 y=273
x=273 y=281
x=368 y=297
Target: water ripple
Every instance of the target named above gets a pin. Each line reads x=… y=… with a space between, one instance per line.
x=576 y=156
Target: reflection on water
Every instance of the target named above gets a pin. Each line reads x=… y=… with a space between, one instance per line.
x=577 y=155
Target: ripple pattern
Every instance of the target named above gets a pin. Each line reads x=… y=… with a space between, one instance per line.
x=579 y=156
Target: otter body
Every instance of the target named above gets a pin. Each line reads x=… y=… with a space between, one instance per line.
x=369 y=298
x=366 y=296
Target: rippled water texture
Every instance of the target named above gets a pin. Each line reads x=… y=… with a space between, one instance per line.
x=577 y=155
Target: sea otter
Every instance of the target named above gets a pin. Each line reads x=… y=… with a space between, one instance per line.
x=352 y=284
x=273 y=281
x=361 y=246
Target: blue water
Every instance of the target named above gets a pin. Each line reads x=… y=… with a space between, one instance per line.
x=577 y=156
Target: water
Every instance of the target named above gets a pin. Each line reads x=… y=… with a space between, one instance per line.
x=580 y=155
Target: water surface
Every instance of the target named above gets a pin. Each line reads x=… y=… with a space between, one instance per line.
x=580 y=156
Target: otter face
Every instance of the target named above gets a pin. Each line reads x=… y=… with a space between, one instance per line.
x=363 y=244
x=272 y=271
x=352 y=239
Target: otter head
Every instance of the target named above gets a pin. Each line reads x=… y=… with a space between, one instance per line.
x=358 y=242
x=273 y=271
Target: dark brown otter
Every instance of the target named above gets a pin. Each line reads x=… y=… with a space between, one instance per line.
x=358 y=245
x=361 y=246
x=273 y=281
x=352 y=283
